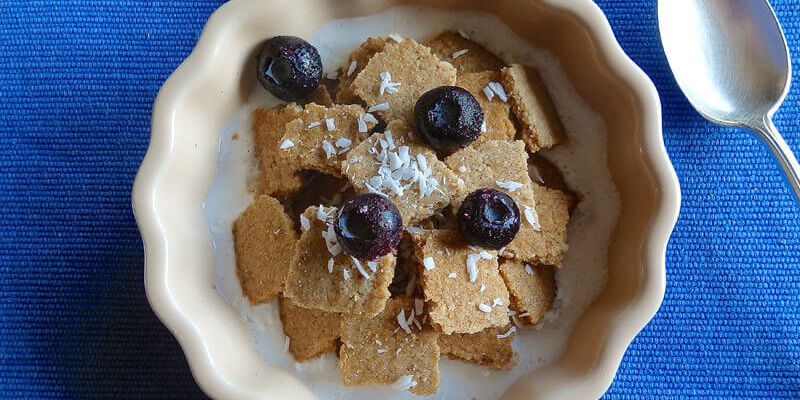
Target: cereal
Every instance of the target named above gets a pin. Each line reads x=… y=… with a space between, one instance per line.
x=541 y=126
x=490 y=347
x=532 y=289
x=278 y=177
x=310 y=332
x=264 y=239
x=450 y=46
x=496 y=113
x=357 y=60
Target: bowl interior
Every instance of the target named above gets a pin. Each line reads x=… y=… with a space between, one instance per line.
x=214 y=83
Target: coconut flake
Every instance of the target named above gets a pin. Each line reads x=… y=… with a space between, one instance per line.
x=405 y=382
x=322 y=215
x=305 y=224
x=462 y=168
x=497 y=302
x=460 y=53
x=463 y=34
x=498 y=89
x=397 y=38
x=528 y=269
x=488 y=92
x=373 y=265
x=507 y=334
x=532 y=217
x=330 y=266
x=314 y=124
x=379 y=107
x=333 y=75
x=352 y=68
x=360 y=269
x=452 y=275
x=484 y=308
x=472 y=266
x=362 y=124
x=387 y=86
x=401 y=320
x=419 y=306
x=346 y=274
x=330 y=124
x=414 y=230
x=482 y=289
x=428 y=263
x=483 y=126
x=328 y=148
x=343 y=143
x=389 y=138
x=287 y=144
x=511 y=186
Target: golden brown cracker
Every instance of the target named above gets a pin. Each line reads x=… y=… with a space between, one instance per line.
x=342 y=287
x=361 y=57
x=476 y=59
x=496 y=113
x=278 y=177
x=546 y=245
x=264 y=241
x=377 y=351
x=455 y=304
x=532 y=289
x=310 y=332
x=490 y=347
x=534 y=108
x=364 y=163
x=309 y=133
x=411 y=65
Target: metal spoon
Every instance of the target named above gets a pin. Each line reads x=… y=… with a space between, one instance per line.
x=731 y=60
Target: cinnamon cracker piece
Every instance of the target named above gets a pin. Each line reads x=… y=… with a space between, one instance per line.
x=534 y=108
x=321 y=136
x=358 y=59
x=344 y=286
x=379 y=351
x=264 y=242
x=542 y=237
x=456 y=304
x=386 y=163
x=449 y=46
x=408 y=63
x=490 y=347
x=532 y=289
x=311 y=332
x=278 y=177
x=496 y=113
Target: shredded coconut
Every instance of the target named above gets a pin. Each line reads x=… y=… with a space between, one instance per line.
x=511 y=186
x=497 y=302
x=328 y=148
x=428 y=263
x=405 y=382
x=460 y=53
x=352 y=68
x=452 y=275
x=507 y=334
x=483 y=287
x=498 y=89
x=381 y=351
x=346 y=274
x=322 y=215
x=528 y=269
x=314 y=124
x=330 y=266
x=462 y=168
x=463 y=34
x=532 y=217
x=397 y=38
x=387 y=85
x=305 y=224
x=379 y=107
x=287 y=144
x=472 y=266
x=330 y=125
x=360 y=269
x=488 y=92
x=373 y=265
x=401 y=320
x=415 y=230
x=483 y=126
x=484 y=308
x=419 y=306
x=343 y=143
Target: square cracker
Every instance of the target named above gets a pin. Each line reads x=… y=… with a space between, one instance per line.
x=482 y=348
x=363 y=164
x=453 y=301
x=542 y=239
x=308 y=137
x=361 y=56
x=311 y=332
x=278 y=177
x=535 y=111
x=532 y=288
x=496 y=113
x=345 y=289
x=415 y=354
x=476 y=59
x=264 y=240
x=410 y=64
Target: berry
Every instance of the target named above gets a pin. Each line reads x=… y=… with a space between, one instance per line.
x=448 y=118
x=488 y=218
x=289 y=67
x=368 y=226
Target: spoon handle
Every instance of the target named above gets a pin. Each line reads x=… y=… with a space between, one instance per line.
x=766 y=129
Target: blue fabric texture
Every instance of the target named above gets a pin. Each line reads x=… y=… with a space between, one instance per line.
x=77 y=82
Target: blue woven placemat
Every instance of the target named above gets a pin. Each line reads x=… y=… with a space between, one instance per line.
x=77 y=81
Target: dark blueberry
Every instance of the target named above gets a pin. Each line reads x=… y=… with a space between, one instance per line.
x=289 y=67
x=488 y=218
x=369 y=226
x=448 y=118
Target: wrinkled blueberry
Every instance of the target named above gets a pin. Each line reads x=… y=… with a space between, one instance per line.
x=369 y=226
x=289 y=67
x=448 y=118
x=488 y=218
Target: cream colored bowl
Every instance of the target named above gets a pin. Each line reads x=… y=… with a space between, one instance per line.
x=215 y=82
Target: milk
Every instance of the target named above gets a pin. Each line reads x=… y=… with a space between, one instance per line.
x=582 y=161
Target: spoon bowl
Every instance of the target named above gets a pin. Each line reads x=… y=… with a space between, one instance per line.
x=731 y=60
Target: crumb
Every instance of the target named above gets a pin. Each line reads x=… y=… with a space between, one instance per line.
x=234 y=137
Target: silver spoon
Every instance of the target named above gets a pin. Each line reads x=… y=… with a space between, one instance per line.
x=731 y=60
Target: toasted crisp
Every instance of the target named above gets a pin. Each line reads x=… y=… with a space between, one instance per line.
x=345 y=289
x=362 y=358
x=361 y=56
x=489 y=347
x=363 y=165
x=264 y=240
x=311 y=332
x=496 y=113
x=535 y=111
x=309 y=132
x=476 y=59
x=541 y=238
x=278 y=177
x=410 y=64
x=321 y=96
x=532 y=289
x=454 y=303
